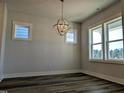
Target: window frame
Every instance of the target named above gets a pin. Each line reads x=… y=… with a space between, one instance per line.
x=75 y=37
x=91 y=44
x=14 y=23
x=107 y=38
x=105 y=47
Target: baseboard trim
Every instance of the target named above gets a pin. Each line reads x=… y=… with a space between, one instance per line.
x=3 y=91
x=106 y=77
x=28 y=74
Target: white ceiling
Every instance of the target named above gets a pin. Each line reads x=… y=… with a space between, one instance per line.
x=74 y=10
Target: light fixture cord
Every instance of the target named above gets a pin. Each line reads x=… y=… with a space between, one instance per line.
x=62 y=7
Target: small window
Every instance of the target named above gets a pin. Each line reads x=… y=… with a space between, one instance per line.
x=21 y=31
x=71 y=37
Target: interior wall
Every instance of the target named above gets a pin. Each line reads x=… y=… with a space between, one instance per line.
x=46 y=52
x=3 y=20
x=122 y=8
x=99 y=68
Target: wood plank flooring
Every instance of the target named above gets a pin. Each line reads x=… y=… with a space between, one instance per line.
x=66 y=83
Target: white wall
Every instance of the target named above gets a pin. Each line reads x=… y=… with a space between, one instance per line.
x=46 y=52
x=3 y=19
x=1 y=28
x=103 y=69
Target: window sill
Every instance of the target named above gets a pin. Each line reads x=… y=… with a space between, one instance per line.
x=108 y=61
x=22 y=39
x=71 y=43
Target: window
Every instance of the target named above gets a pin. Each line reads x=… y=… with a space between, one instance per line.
x=106 y=41
x=21 y=31
x=71 y=37
x=114 y=39
x=96 y=43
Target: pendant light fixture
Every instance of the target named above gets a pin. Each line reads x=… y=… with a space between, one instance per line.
x=62 y=26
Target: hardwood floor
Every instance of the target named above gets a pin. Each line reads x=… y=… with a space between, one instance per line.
x=66 y=83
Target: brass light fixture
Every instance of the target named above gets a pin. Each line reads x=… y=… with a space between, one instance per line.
x=62 y=26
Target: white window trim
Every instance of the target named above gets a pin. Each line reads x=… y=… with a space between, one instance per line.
x=75 y=38
x=108 y=61
x=90 y=42
x=106 y=43
x=23 y=24
x=105 y=59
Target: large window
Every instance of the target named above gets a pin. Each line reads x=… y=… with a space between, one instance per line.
x=106 y=41
x=96 y=44
x=114 y=39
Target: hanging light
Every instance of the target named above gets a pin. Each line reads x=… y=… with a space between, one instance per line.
x=62 y=26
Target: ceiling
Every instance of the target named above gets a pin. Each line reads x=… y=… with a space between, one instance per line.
x=74 y=10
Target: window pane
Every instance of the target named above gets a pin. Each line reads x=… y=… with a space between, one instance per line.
x=115 y=30
x=97 y=51
x=97 y=35
x=116 y=50
x=21 y=32
x=71 y=37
